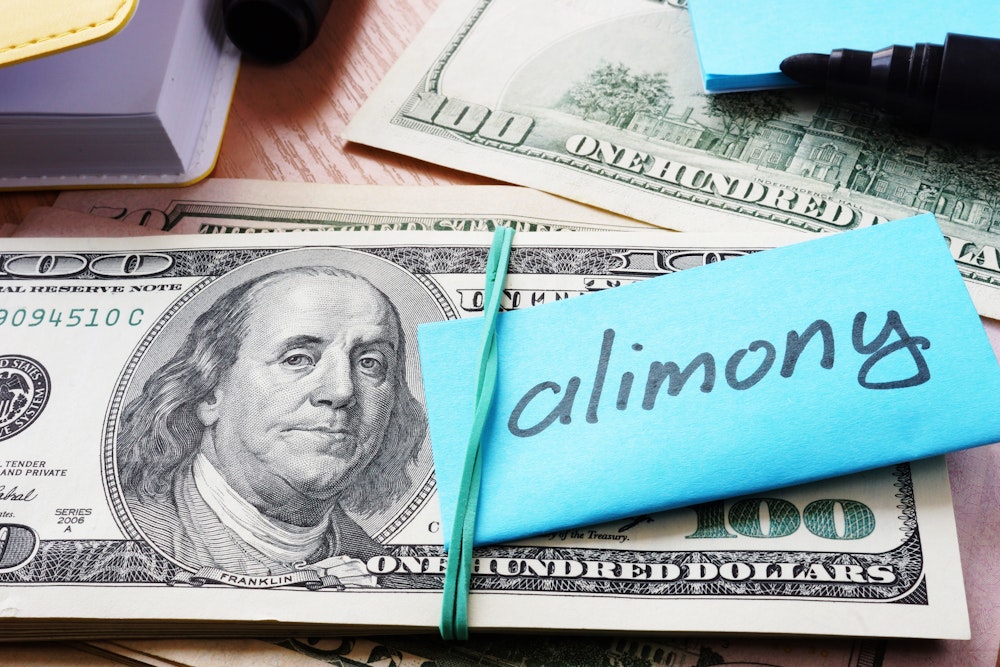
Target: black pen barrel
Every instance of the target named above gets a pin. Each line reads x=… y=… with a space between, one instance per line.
x=950 y=91
x=968 y=99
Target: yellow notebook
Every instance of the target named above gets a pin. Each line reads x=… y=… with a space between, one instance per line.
x=33 y=28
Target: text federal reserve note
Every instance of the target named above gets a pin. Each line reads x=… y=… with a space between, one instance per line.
x=602 y=102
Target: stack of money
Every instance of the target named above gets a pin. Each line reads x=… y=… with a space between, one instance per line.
x=249 y=451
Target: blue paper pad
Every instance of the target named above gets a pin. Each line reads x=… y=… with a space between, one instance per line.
x=741 y=43
x=831 y=356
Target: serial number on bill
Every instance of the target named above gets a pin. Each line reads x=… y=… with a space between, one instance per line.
x=71 y=317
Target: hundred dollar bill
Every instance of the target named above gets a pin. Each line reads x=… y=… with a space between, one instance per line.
x=226 y=435
x=602 y=102
x=506 y=650
x=976 y=530
x=216 y=198
x=231 y=206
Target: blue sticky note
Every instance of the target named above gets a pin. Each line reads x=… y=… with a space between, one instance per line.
x=741 y=43
x=840 y=354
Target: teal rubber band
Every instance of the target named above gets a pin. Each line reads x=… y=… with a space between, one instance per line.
x=458 y=572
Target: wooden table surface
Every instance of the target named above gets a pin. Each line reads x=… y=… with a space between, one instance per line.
x=286 y=120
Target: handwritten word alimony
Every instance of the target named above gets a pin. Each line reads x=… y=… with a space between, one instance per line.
x=737 y=370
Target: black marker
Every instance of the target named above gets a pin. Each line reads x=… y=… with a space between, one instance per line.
x=950 y=91
x=273 y=30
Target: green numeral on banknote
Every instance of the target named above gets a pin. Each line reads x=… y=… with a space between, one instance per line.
x=60 y=265
x=469 y=118
x=832 y=519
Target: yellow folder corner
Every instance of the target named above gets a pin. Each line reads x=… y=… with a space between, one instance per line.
x=33 y=28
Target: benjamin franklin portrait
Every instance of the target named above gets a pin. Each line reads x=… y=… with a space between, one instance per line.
x=283 y=414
